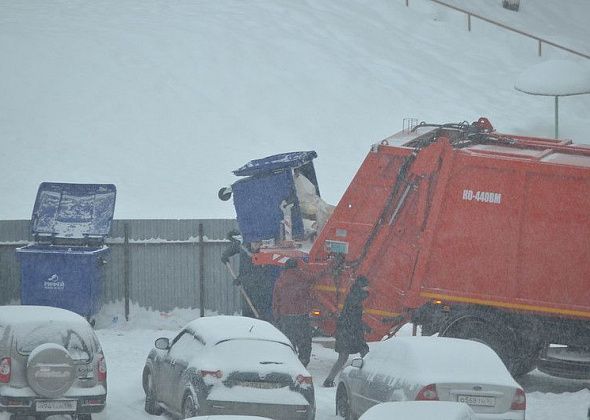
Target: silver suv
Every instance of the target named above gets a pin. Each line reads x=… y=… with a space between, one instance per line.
x=50 y=363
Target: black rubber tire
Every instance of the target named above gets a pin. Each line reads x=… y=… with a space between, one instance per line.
x=83 y=417
x=151 y=402
x=343 y=403
x=50 y=370
x=189 y=407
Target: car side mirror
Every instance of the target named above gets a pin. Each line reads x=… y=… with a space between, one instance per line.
x=162 y=343
x=357 y=363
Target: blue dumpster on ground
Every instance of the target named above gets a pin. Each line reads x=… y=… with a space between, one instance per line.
x=65 y=266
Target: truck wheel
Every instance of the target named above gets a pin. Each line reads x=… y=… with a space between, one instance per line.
x=50 y=370
x=500 y=338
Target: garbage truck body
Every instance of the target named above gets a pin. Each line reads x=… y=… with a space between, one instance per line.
x=468 y=233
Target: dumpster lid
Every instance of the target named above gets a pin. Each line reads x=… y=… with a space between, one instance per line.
x=73 y=210
x=275 y=162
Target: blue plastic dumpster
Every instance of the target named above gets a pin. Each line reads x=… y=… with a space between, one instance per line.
x=65 y=266
x=266 y=183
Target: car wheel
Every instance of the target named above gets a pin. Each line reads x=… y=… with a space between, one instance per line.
x=343 y=403
x=83 y=417
x=190 y=407
x=151 y=402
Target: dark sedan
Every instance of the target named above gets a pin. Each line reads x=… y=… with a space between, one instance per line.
x=228 y=365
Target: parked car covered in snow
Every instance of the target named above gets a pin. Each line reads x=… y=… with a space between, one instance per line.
x=419 y=410
x=431 y=369
x=51 y=362
x=228 y=365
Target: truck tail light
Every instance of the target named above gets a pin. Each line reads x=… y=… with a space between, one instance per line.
x=213 y=373
x=5 y=364
x=304 y=380
x=519 y=400
x=428 y=393
x=102 y=368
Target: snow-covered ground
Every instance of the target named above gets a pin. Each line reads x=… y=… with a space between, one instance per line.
x=127 y=344
x=164 y=98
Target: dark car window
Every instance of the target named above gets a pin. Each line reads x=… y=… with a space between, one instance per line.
x=78 y=343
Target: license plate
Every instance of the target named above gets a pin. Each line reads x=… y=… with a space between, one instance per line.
x=262 y=385
x=56 y=405
x=476 y=400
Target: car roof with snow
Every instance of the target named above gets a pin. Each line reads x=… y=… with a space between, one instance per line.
x=228 y=417
x=30 y=314
x=419 y=410
x=214 y=329
x=443 y=359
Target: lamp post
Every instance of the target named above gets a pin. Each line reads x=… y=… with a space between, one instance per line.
x=555 y=78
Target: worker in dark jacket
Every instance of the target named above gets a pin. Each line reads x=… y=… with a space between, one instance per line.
x=350 y=330
x=291 y=304
x=257 y=280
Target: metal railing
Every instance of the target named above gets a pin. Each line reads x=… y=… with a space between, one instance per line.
x=539 y=40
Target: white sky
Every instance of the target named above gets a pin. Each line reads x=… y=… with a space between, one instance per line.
x=164 y=99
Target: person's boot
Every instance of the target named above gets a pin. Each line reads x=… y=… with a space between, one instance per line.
x=328 y=383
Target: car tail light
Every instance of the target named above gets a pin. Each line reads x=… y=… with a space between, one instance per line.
x=214 y=373
x=428 y=393
x=304 y=379
x=102 y=368
x=519 y=400
x=5 y=370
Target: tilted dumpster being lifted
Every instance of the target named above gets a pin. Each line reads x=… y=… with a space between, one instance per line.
x=65 y=266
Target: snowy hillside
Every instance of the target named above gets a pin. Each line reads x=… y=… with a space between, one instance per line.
x=165 y=98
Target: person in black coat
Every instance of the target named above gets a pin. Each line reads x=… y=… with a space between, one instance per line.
x=350 y=330
x=257 y=280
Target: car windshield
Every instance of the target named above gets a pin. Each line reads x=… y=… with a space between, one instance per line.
x=77 y=342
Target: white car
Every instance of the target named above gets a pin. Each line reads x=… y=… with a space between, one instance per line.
x=229 y=365
x=224 y=417
x=419 y=410
x=51 y=362
x=431 y=369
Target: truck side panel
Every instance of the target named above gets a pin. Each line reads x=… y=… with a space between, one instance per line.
x=513 y=234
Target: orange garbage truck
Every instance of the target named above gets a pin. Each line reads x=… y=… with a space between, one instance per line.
x=461 y=230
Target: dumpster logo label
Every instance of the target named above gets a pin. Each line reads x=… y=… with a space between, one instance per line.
x=53 y=283
x=482 y=196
